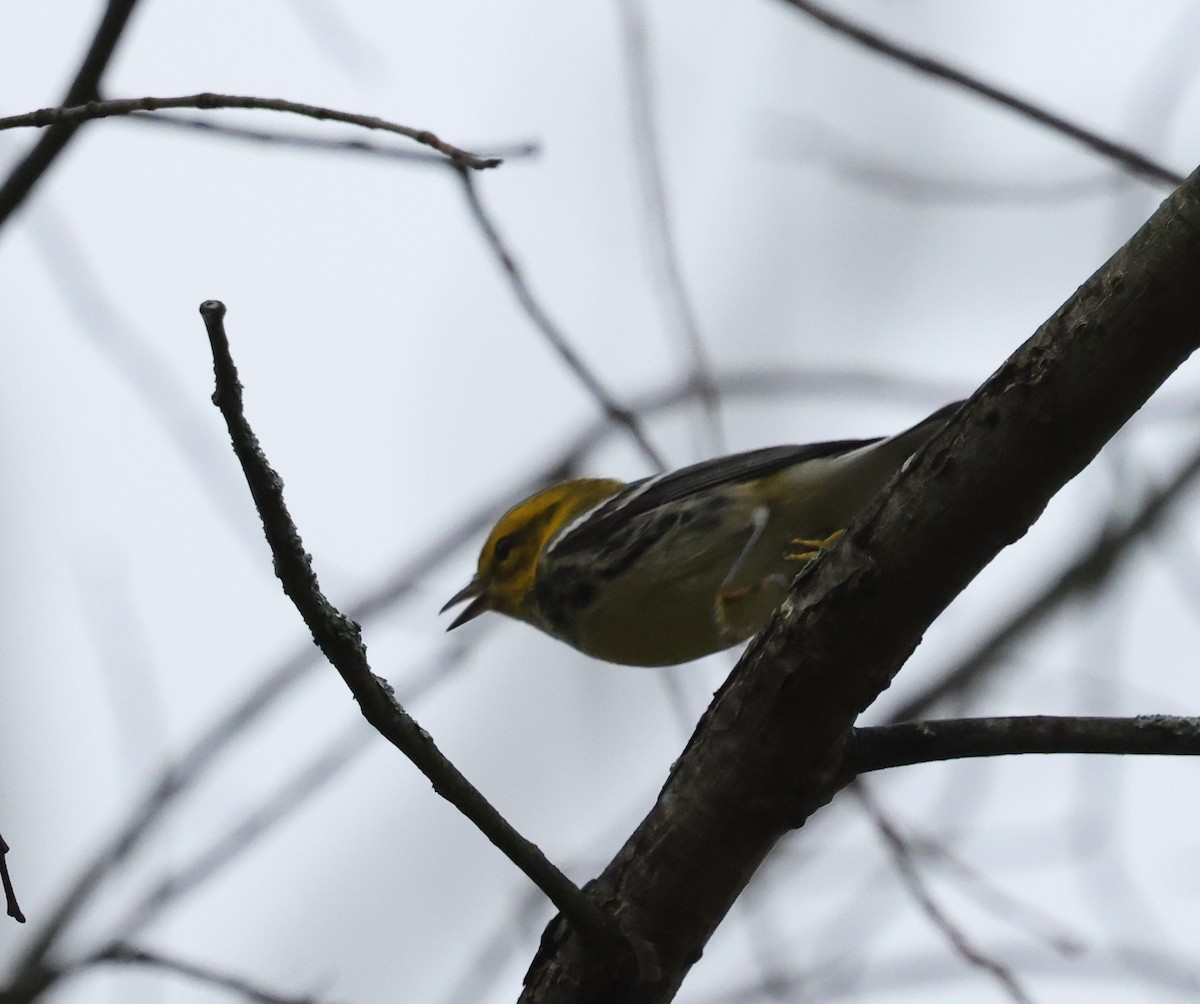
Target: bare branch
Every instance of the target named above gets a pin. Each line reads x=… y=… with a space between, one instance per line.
x=808 y=141
x=85 y=87
x=339 y=638
x=128 y=106
x=777 y=382
x=1131 y=160
x=616 y=413
x=286 y=799
x=225 y=848
x=902 y=858
x=917 y=976
x=333 y=33
x=306 y=141
x=881 y=746
x=517 y=926
x=103 y=323
x=10 y=895
x=125 y=954
x=664 y=254
x=970 y=881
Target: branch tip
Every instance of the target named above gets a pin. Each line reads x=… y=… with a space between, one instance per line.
x=10 y=895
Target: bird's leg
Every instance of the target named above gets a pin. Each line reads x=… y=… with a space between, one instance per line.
x=727 y=595
x=806 y=550
x=726 y=598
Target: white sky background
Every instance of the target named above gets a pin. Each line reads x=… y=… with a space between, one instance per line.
x=396 y=386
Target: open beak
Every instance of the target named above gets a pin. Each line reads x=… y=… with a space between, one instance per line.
x=474 y=592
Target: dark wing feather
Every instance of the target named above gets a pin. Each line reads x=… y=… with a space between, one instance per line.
x=648 y=494
x=642 y=497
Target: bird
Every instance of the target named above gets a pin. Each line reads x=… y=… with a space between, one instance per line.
x=679 y=565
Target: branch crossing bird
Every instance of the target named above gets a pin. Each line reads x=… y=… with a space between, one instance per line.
x=679 y=565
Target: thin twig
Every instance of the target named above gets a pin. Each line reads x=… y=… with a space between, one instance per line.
x=616 y=413
x=10 y=895
x=339 y=638
x=85 y=87
x=881 y=746
x=664 y=254
x=136 y=703
x=226 y=847
x=173 y=407
x=1129 y=158
x=128 y=106
x=1001 y=904
x=513 y=931
x=764 y=383
x=911 y=876
x=306 y=141
x=332 y=32
x=912 y=975
x=126 y=954
x=281 y=804
x=792 y=140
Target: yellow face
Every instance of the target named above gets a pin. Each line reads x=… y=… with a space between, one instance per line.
x=508 y=563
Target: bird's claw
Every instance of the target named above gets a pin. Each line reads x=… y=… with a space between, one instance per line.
x=806 y=550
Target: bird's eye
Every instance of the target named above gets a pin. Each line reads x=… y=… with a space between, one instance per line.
x=504 y=548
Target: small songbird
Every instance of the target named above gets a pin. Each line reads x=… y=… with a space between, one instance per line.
x=679 y=565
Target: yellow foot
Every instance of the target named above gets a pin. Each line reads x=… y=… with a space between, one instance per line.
x=806 y=550
x=726 y=598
